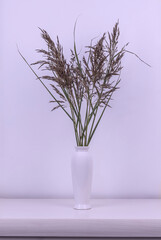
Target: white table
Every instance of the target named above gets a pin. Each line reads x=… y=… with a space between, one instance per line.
x=57 y=218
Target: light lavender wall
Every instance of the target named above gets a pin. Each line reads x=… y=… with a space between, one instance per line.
x=36 y=144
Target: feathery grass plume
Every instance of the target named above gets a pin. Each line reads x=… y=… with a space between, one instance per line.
x=87 y=83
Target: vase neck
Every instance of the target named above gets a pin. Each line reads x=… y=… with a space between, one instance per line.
x=82 y=148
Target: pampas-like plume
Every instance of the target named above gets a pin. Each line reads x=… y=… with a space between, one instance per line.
x=88 y=83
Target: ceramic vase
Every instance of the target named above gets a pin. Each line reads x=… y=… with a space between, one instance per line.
x=82 y=169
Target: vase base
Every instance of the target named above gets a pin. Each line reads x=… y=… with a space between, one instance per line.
x=82 y=207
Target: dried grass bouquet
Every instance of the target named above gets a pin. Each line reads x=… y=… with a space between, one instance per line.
x=86 y=86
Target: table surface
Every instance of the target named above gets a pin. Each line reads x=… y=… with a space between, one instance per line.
x=56 y=217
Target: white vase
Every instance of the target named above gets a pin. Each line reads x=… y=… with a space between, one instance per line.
x=82 y=169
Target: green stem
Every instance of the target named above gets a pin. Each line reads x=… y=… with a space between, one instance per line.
x=89 y=118
x=94 y=118
x=70 y=102
x=90 y=137
x=86 y=117
x=79 y=103
x=75 y=129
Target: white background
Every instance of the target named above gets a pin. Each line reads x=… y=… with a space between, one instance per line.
x=36 y=144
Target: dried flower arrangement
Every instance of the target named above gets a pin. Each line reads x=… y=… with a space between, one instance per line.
x=83 y=84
